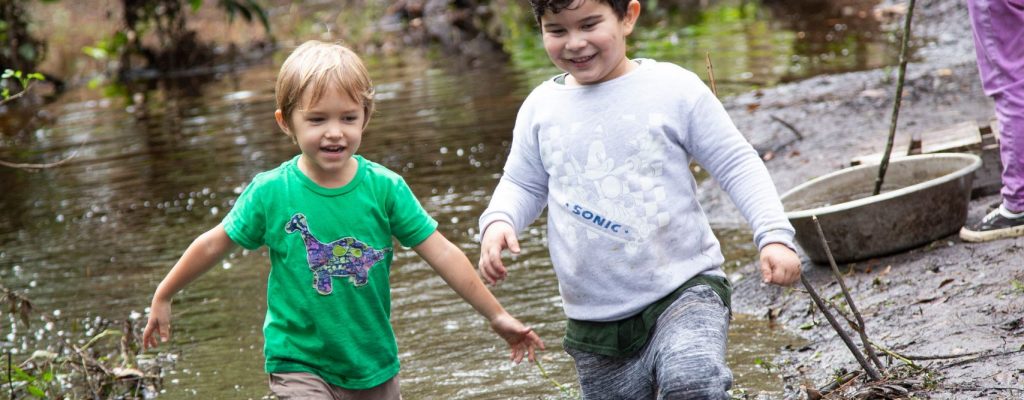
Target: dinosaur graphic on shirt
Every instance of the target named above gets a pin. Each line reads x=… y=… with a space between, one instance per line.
x=345 y=257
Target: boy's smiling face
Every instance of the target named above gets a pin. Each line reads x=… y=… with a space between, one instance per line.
x=588 y=40
x=328 y=133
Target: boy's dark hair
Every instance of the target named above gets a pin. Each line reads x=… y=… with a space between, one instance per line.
x=556 y=6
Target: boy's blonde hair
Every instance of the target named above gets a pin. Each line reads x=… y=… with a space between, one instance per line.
x=318 y=66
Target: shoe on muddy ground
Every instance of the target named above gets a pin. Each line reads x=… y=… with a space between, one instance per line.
x=998 y=224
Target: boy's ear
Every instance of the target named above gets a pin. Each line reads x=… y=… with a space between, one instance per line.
x=632 y=14
x=281 y=123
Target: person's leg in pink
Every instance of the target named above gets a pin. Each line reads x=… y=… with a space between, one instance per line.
x=998 y=27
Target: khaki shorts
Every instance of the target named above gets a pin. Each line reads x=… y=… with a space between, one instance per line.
x=304 y=385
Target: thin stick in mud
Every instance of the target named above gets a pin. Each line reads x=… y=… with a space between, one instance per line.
x=861 y=327
x=896 y=103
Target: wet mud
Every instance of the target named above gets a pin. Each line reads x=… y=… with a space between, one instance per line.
x=956 y=307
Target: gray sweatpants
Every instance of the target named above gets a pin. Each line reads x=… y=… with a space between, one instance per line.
x=684 y=358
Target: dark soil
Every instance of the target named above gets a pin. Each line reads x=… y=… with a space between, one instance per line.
x=949 y=298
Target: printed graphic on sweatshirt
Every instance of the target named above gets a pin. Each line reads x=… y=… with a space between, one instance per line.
x=598 y=221
x=345 y=257
x=610 y=181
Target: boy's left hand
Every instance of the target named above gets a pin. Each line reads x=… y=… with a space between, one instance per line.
x=521 y=338
x=779 y=264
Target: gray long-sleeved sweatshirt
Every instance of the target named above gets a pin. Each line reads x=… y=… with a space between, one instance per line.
x=611 y=163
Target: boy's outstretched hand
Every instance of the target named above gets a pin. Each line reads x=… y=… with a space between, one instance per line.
x=159 y=324
x=522 y=340
x=779 y=264
x=498 y=236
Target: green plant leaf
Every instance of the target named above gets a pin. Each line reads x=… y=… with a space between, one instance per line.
x=35 y=391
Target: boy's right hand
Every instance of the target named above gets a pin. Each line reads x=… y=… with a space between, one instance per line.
x=498 y=236
x=521 y=339
x=159 y=323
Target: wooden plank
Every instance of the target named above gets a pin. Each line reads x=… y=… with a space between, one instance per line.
x=962 y=137
x=988 y=179
x=875 y=158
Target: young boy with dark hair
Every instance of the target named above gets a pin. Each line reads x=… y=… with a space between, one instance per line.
x=606 y=147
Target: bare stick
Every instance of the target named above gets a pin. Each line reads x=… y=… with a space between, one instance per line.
x=16 y=95
x=937 y=357
x=711 y=72
x=861 y=326
x=790 y=126
x=982 y=357
x=897 y=356
x=10 y=373
x=43 y=166
x=544 y=373
x=896 y=104
x=37 y=166
x=839 y=382
x=839 y=330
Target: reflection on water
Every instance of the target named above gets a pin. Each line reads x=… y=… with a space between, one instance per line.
x=93 y=237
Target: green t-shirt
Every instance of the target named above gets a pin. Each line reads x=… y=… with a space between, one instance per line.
x=328 y=295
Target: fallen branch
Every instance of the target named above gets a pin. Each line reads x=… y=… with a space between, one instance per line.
x=788 y=125
x=861 y=327
x=982 y=357
x=897 y=356
x=42 y=166
x=836 y=384
x=941 y=357
x=839 y=330
x=37 y=166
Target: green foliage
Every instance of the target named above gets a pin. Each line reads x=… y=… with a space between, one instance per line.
x=104 y=367
x=838 y=373
x=766 y=365
x=738 y=394
x=20 y=50
x=176 y=46
x=35 y=385
x=107 y=48
x=565 y=392
x=1018 y=286
x=250 y=10
x=521 y=39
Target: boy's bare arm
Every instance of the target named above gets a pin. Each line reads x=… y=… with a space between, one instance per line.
x=454 y=267
x=199 y=257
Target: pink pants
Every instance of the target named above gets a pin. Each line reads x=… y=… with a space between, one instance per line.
x=998 y=27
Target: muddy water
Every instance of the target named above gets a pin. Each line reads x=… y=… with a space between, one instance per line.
x=93 y=237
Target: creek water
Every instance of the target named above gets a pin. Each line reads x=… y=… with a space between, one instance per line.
x=91 y=239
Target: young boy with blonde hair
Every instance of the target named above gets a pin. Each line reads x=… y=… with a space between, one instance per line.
x=606 y=147
x=328 y=217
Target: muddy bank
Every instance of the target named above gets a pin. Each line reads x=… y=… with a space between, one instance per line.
x=946 y=298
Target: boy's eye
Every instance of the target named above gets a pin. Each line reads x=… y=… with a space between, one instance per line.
x=555 y=31
x=315 y=119
x=589 y=26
